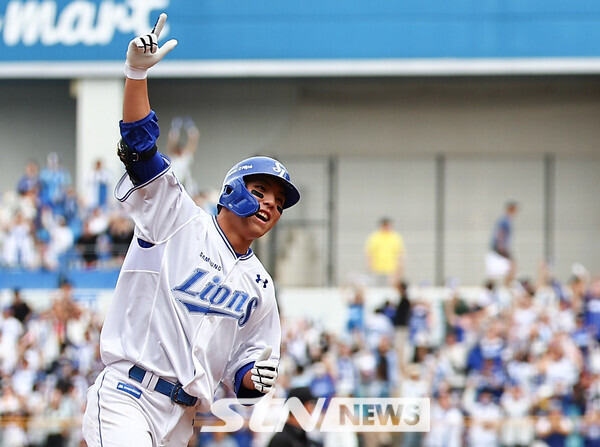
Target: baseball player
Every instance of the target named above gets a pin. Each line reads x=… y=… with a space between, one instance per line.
x=193 y=306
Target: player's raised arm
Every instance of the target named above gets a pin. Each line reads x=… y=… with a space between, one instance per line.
x=139 y=127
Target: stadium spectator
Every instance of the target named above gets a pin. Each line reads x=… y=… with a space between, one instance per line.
x=490 y=377
x=24 y=377
x=120 y=231
x=58 y=412
x=577 y=287
x=19 y=247
x=524 y=316
x=345 y=370
x=414 y=385
x=322 y=383
x=492 y=343
x=583 y=336
x=98 y=221
x=292 y=433
x=485 y=418
x=590 y=426
x=591 y=303
x=400 y=321
x=457 y=313
x=11 y=330
x=55 y=256
x=487 y=303
x=356 y=310
x=499 y=260
x=20 y=309
x=377 y=326
x=447 y=423
x=451 y=362
x=562 y=318
x=12 y=409
x=99 y=185
x=385 y=253
x=419 y=324
x=182 y=143
x=554 y=427
x=54 y=180
x=70 y=209
x=86 y=246
x=559 y=371
x=517 y=428
x=30 y=180
x=386 y=369
x=388 y=309
x=28 y=204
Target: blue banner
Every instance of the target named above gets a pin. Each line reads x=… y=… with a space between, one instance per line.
x=218 y=30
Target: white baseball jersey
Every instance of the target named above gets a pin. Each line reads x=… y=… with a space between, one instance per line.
x=186 y=306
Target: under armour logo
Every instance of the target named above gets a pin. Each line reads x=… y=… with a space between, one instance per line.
x=264 y=281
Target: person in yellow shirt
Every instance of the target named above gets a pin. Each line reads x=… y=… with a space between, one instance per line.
x=385 y=254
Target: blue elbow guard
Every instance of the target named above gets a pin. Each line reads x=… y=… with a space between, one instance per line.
x=141 y=135
x=137 y=149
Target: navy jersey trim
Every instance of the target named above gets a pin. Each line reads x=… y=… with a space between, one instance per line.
x=99 y=421
x=240 y=390
x=239 y=376
x=135 y=188
x=243 y=257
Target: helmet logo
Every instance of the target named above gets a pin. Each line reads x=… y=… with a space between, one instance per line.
x=279 y=169
x=237 y=169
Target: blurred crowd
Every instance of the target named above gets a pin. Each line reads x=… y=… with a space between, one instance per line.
x=514 y=364
x=46 y=224
x=47 y=361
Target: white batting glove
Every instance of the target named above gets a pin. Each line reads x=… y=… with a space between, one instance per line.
x=264 y=372
x=143 y=51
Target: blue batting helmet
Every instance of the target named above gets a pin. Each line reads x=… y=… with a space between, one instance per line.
x=236 y=197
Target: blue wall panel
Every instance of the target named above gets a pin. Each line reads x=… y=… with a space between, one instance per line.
x=326 y=29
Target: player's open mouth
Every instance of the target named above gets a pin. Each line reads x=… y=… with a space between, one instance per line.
x=262 y=216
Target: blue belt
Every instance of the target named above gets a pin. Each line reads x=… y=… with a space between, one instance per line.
x=173 y=390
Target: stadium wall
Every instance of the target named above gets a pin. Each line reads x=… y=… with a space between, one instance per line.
x=386 y=137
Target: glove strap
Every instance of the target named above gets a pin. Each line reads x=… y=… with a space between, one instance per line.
x=135 y=73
